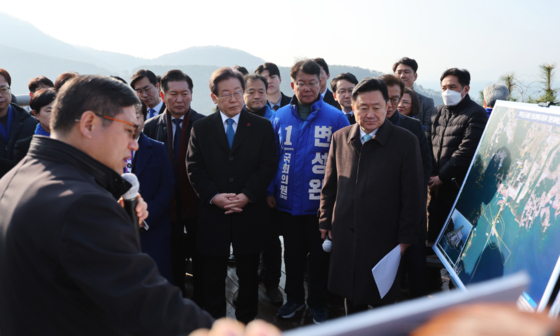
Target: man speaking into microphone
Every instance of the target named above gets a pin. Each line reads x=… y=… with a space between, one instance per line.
x=70 y=257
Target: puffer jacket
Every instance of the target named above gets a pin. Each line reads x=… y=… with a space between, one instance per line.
x=453 y=138
x=303 y=148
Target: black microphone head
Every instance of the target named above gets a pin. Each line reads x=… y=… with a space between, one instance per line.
x=132 y=192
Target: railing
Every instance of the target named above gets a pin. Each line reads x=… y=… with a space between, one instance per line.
x=23 y=100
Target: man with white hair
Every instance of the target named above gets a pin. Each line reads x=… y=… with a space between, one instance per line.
x=492 y=93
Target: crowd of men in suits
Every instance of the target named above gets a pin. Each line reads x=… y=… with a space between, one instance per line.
x=353 y=165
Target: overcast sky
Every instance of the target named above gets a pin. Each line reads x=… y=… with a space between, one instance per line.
x=487 y=37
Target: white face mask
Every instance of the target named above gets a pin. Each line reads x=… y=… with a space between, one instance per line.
x=451 y=98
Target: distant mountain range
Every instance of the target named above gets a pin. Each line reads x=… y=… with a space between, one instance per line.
x=27 y=52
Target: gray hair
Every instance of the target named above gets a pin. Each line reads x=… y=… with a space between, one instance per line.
x=495 y=92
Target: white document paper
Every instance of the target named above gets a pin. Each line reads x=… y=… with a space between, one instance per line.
x=385 y=271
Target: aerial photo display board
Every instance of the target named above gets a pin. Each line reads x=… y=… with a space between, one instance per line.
x=507 y=216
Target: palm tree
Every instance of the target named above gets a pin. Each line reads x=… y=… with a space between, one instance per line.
x=510 y=80
x=547 y=74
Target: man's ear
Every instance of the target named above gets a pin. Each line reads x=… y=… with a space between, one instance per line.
x=87 y=123
x=484 y=100
x=280 y=79
x=415 y=76
x=467 y=89
x=214 y=98
x=334 y=96
x=293 y=87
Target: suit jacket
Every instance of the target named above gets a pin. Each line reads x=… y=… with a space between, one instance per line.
x=248 y=167
x=415 y=127
x=156 y=128
x=23 y=126
x=153 y=169
x=380 y=205
x=284 y=100
x=70 y=262
x=329 y=98
x=427 y=109
x=351 y=118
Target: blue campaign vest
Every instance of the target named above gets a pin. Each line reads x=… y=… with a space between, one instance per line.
x=303 y=148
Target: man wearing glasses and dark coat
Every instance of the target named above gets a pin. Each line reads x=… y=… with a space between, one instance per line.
x=71 y=262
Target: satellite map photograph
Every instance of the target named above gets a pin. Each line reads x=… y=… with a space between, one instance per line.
x=510 y=197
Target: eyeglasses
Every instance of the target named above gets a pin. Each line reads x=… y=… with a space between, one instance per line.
x=4 y=90
x=302 y=85
x=136 y=127
x=236 y=95
x=395 y=100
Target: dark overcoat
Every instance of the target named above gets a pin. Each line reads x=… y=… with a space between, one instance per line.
x=70 y=258
x=372 y=201
x=248 y=167
x=154 y=172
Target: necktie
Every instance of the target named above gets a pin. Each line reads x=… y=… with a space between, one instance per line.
x=230 y=133
x=366 y=137
x=275 y=108
x=177 y=139
x=152 y=113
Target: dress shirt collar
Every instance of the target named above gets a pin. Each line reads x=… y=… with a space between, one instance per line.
x=362 y=133
x=324 y=92
x=225 y=117
x=158 y=107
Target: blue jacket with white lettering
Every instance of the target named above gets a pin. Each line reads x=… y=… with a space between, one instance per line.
x=303 y=147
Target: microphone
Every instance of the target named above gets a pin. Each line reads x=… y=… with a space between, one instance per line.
x=130 y=197
x=327 y=245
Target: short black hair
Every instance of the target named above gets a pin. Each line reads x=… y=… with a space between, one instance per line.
x=42 y=98
x=370 y=84
x=223 y=74
x=463 y=75
x=35 y=82
x=406 y=61
x=343 y=76
x=241 y=69
x=138 y=75
x=253 y=77
x=306 y=65
x=270 y=67
x=175 y=76
x=99 y=94
x=63 y=78
x=119 y=79
x=143 y=109
x=323 y=64
x=392 y=80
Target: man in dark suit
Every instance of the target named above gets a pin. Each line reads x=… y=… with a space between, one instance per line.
x=276 y=98
x=342 y=87
x=325 y=75
x=369 y=208
x=147 y=88
x=151 y=165
x=406 y=69
x=179 y=116
x=415 y=256
x=231 y=161
x=15 y=123
x=70 y=262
